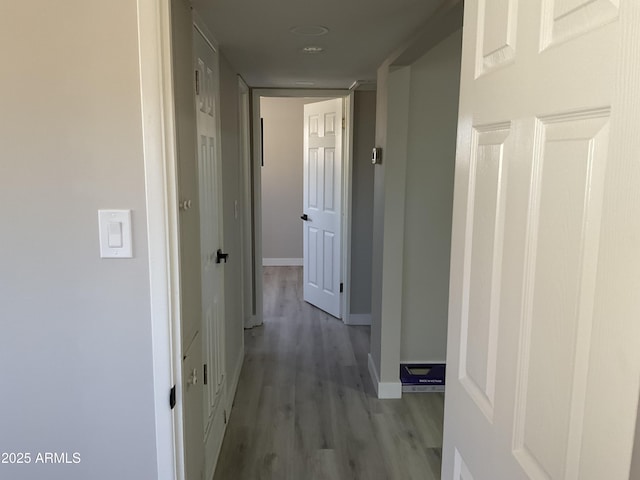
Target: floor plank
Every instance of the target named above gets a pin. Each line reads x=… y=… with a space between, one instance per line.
x=306 y=409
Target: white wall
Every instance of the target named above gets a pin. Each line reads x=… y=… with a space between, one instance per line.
x=282 y=177
x=75 y=347
x=433 y=119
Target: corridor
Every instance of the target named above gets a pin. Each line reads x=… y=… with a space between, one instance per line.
x=305 y=408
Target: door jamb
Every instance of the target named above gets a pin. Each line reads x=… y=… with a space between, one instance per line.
x=347 y=167
x=160 y=171
x=244 y=130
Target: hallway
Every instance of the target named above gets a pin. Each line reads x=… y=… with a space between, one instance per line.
x=305 y=408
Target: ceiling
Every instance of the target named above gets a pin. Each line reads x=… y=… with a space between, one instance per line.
x=255 y=36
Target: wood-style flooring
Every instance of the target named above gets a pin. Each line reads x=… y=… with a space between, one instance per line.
x=305 y=408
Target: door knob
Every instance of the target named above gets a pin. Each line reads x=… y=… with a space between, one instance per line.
x=305 y=217
x=221 y=256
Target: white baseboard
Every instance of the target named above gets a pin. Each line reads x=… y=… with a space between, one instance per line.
x=235 y=378
x=282 y=262
x=385 y=390
x=358 y=319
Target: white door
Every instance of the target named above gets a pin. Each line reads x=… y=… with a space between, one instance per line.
x=190 y=392
x=211 y=250
x=544 y=321
x=322 y=216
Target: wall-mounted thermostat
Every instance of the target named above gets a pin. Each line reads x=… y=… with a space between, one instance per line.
x=376 y=158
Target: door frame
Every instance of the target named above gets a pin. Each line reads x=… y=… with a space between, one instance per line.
x=256 y=181
x=244 y=133
x=161 y=192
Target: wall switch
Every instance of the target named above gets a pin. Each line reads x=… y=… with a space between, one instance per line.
x=114 y=227
x=114 y=234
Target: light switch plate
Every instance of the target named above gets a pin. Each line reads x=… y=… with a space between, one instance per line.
x=114 y=227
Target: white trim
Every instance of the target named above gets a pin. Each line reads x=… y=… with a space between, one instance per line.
x=158 y=135
x=347 y=205
x=358 y=319
x=256 y=151
x=203 y=30
x=282 y=262
x=235 y=379
x=244 y=149
x=384 y=390
x=256 y=93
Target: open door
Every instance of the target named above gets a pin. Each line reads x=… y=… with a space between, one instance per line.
x=543 y=359
x=322 y=216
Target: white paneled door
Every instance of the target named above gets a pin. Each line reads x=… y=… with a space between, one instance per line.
x=544 y=319
x=322 y=216
x=212 y=258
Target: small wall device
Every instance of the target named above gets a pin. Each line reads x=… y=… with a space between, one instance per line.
x=376 y=157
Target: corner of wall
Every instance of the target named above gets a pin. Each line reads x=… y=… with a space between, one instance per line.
x=384 y=390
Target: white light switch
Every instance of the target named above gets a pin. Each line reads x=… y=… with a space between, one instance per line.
x=115 y=233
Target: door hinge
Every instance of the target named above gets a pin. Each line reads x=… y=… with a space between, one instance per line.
x=225 y=417
x=172 y=397
x=341 y=287
x=206 y=377
x=197 y=82
x=343 y=124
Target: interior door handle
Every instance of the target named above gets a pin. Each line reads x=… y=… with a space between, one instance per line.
x=221 y=256
x=305 y=217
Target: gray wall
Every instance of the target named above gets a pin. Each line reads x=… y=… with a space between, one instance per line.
x=282 y=177
x=377 y=244
x=232 y=193
x=75 y=347
x=393 y=129
x=362 y=201
x=433 y=119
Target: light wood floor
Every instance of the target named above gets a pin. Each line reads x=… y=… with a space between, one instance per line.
x=305 y=408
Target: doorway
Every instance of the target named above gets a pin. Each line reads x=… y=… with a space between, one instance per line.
x=278 y=184
x=301 y=193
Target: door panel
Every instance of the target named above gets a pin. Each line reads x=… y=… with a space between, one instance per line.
x=544 y=368
x=480 y=323
x=211 y=235
x=322 y=204
x=560 y=271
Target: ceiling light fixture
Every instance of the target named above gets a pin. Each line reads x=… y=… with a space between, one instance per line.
x=309 y=30
x=312 y=49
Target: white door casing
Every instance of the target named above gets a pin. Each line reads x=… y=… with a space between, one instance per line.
x=211 y=239
x=244 y=134
x=543 y=364
x=322 y=204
